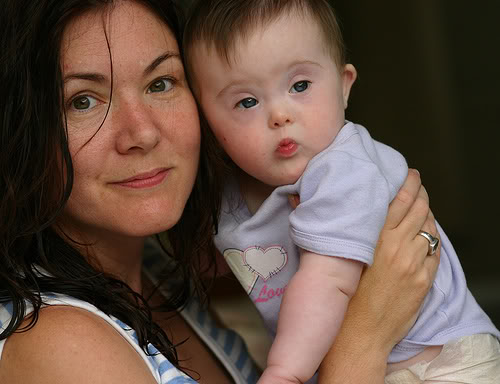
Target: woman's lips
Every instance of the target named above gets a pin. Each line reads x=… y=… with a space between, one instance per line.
x=144 y=180
x=287 y=147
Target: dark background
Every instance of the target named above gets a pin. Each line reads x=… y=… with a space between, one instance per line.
x=428 y=85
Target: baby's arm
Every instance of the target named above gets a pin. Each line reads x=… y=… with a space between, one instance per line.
x=310 y=316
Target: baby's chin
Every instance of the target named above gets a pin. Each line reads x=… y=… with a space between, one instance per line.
x=288 y=177
x=272 y=178
x=292 y=179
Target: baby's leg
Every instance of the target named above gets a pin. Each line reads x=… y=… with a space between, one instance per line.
x=470 y=360
x=427 y=355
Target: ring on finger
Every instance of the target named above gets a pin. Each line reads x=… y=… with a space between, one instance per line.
x=433 y=242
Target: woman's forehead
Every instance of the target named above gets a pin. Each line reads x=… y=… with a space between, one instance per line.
x=128 y=29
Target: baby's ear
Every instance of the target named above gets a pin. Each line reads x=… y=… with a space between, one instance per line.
x=349 y=75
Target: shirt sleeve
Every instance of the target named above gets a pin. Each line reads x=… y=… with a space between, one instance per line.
x=344 y=200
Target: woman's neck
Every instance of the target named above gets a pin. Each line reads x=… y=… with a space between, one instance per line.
x=118 y=256
x=254 y=192
x=122 y=259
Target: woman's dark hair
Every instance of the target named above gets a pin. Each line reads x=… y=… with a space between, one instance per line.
x=36 y=177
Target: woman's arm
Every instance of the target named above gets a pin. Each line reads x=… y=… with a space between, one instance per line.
x=390 y=292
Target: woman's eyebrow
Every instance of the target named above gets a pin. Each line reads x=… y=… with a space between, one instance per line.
x=160 y=59
x=96 y=77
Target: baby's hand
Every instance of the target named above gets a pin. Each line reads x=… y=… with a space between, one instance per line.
x=277 y=375
x=294 y=200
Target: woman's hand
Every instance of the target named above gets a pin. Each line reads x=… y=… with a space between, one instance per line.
x=390 y=292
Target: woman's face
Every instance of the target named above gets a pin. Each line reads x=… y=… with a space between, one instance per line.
x=133 y=175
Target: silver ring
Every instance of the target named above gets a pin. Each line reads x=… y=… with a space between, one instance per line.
x=433 y=242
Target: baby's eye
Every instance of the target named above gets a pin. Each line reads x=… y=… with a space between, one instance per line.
x=160 y=85
x=83 y=103
x=249 y=102
x=300 y=86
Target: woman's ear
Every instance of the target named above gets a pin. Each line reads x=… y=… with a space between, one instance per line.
x=349 y=75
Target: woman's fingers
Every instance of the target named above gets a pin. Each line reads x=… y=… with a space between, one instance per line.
x=430 y=261
x=402 y=272
x=404 y=200
x=430 y=224
x=417 y=216
x=431 y=264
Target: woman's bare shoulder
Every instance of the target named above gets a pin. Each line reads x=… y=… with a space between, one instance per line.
x=70 y=344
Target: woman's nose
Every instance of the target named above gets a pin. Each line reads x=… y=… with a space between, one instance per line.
x=137 y=130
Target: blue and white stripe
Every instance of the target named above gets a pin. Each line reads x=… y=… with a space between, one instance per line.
x=226 y=345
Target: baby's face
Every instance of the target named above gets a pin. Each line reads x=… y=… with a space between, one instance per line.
x=280 y=101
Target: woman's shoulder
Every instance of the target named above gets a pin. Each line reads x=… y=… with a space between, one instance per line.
x=74 y=345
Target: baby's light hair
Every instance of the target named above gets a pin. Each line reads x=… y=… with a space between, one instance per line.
x=220 y=24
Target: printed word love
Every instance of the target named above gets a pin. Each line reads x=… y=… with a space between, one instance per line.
x=267 y=294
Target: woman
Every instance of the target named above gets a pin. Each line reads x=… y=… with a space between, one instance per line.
x=100 y=140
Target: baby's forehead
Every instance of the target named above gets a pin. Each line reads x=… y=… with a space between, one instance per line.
x=229 y=49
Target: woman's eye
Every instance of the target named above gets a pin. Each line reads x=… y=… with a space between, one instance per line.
x=249 y=102
x=300 y=86
x=161 y=85
x=83 y=103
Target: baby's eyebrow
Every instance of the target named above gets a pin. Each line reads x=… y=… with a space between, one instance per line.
x=288 y=67
x=304 y=62
x=234 y=84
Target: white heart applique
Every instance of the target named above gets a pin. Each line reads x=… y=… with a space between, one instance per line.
x=265 y=262
x=234 y=258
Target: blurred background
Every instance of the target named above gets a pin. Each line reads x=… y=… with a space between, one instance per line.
x=429 y=85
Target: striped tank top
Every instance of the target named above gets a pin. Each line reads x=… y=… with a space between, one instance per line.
x=228 y=347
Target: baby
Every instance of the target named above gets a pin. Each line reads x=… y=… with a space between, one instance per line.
x=272 y=81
